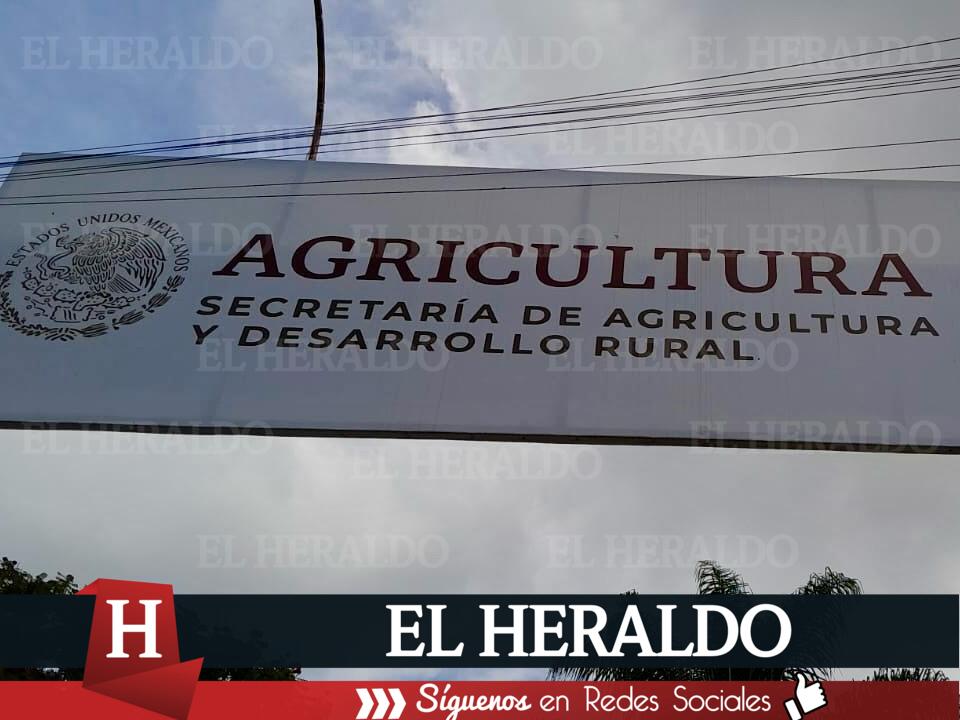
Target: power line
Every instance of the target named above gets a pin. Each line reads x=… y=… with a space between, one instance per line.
x=278 y=135
x=271 y=136
x=548 y=123
x=597 y=95
x=119 y=167
x=706 y=96
x=62 y=153
x=431 y=191
x=708 y=78
x=644 y=122
x=481 y=173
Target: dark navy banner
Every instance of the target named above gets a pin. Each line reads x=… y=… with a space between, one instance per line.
x=354 y=631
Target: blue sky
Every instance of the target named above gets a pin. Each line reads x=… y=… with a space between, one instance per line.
x=83 y=73
x=95 y=105
x=138 y=71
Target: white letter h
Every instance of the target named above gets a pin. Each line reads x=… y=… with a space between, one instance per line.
x=149 y=628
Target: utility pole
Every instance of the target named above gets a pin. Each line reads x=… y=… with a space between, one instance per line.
x=321 y=81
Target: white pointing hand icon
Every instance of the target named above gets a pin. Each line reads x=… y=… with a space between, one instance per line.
x=809 y=697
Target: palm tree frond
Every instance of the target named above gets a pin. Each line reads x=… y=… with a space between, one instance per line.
x=626 y=674
x=714 y=579
x=830 y=582
x=908 y=675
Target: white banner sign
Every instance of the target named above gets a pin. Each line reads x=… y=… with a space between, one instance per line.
x=322 y=298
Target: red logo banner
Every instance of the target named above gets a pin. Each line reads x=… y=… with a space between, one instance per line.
x=133 y=654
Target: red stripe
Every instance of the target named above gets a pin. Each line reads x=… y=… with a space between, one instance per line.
x=340 y=701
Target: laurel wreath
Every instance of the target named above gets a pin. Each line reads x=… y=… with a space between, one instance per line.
x=12 y=317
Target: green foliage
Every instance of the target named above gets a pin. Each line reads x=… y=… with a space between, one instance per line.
x=831 y=583
x=239 y=674
x=16 y=581
x=714 y=579
x=908 y=675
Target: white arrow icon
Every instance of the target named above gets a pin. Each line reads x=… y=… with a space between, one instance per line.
x=379 y=702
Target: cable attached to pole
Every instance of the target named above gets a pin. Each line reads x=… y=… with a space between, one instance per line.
x=321 y=82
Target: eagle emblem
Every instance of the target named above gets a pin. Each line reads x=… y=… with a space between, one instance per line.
x=117 y=260
x=87 y=282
